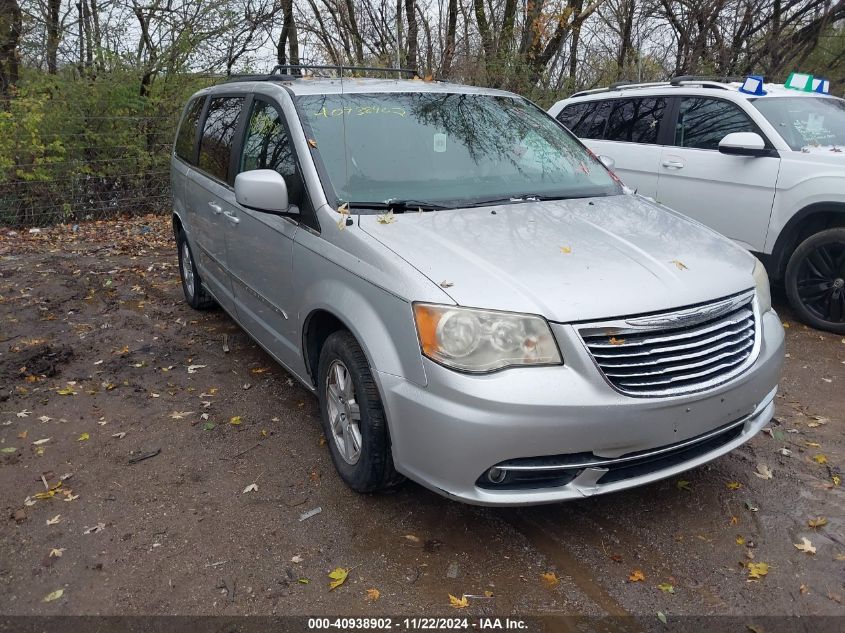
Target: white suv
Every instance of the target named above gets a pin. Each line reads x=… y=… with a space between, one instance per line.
x=767 y=170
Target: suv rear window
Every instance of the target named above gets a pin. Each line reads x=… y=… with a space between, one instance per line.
x=635 y=120
x=586 y=120
x=217 y=135
x=187 y=134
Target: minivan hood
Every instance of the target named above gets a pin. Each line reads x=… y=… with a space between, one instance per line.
x=568 y=260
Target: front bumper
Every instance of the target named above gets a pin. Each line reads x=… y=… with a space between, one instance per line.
x=449 y=433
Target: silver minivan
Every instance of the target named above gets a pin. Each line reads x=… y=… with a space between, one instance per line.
x=477 y=302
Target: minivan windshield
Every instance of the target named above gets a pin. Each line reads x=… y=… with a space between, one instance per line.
x=803 y=121
x=436 y=150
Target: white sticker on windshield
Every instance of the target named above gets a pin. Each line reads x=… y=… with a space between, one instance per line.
x=440 y=143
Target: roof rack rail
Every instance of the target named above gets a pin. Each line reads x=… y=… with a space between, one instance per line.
x=291 y=72
x=677 y=81
x=620 y=85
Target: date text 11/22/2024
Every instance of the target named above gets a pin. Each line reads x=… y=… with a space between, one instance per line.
x=418 y=623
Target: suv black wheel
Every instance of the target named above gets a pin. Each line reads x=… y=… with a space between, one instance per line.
x=815 y=280
x=195 y=294
x=353 y=417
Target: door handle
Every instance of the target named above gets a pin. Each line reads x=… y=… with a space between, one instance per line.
x=216 y=208
x=231 y=217
x=673 y=164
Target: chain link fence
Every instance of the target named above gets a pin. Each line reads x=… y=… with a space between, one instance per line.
x=118 y=165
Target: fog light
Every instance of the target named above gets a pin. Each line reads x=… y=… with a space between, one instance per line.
x=496 y=475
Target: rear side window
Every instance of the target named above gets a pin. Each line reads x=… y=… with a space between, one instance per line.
x=635 y=120
x=217 y=135
x=188 y=131
x=592 y=121
x=267 y=146
x=573 y=115
x=703 y=122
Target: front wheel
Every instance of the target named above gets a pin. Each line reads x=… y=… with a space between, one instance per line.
x=815 y=280
x=353 y=417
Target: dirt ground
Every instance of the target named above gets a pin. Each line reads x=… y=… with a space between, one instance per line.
x=102 y=365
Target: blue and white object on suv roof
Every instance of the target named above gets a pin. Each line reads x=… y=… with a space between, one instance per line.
x=753 y=85
x=807 y=83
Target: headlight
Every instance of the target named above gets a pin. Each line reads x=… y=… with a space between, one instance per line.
x=761 y=285
x=483 y=340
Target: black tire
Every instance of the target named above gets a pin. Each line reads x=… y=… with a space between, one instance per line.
x=196 y=295
x=373 y=469
x=814 y=280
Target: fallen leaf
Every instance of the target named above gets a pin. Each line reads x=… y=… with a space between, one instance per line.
x=67 y=391
x=763 y=471
x=565 y=250
x=458 y=603
x=550 y=579
x=817 y=522
x=751 y=507
x=8 y=449
x=836 y=480
x=180 y=415
x=784 y=451
x=488 y=594
x=44 y=441
x=733 y=485
x=23 y=414
x=805 y=546
x=250 y=488
x=734 y=520
x=57 y=553
x=312 y=143
x=208 y=426
x=757 y=570
x=303 y=581
x=679 y=264
x=53 y=595
x=192 y=369
x=54 y=520
x=94 y=529
x=338 y=576
x=412 y=538
x=446 y=284
x=120 y=435
x=812 y=445
x=373 y=594
x=616 y=341
x=235 y=420
x=666 y=587
x=259 y=370
x=820 y=459
x=684 y=485
x=740 y=540
x=22 y=435
x=83 y=437
x=661 y=616
x=636 y=576
x=804 y=589
x=45 y=418
x=386 y=218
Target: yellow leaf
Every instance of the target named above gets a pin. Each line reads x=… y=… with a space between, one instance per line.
x=83 y=437
x=805 y=546
x=235 y=421
x=836 y=480
x=550 y=579
x=684 y=485
x=666 y=587
x=67 y=391
x=338 y=576
x=817 y=522
x=616 y=341
x=565 y=250
x=740 y=540
x=57 y=553
x=734 y=485
x=813 y=444
x=259 y=370
x=734 y=520
x=56 y=519
x=757 y=570
x=312 y=143
x=53 y=595
x=636 y=576
x=386 y=218
x=488 y=594
x=373 y=594
x=458 y=603
x=786 y=324
x=820 y=459
x=679 y=264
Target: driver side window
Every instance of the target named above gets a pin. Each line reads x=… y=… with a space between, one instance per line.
x=703 y=122
x=267 y=146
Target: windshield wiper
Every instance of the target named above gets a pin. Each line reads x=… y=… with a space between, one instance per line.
x=526 y=197
x=401 y=206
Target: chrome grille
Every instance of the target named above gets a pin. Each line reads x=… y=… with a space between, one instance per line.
x=676 y=352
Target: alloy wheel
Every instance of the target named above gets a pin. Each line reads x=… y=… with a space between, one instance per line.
x=821 y=282
x=344 y=412
x=187 y=269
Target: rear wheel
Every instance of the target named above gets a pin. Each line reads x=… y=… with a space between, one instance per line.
x=353 y=417
x=196 y=295
x=815 y=280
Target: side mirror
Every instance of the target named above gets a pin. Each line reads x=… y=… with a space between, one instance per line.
x=263 y=190
x=607 y=161
x=743 y=144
